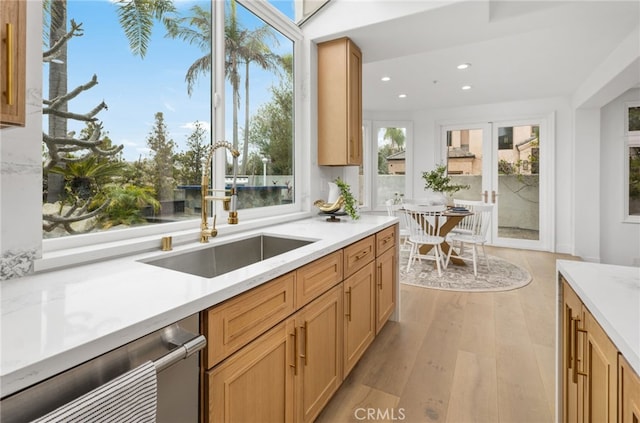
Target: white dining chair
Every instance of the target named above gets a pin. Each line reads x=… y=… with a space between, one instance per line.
x=393 y=210
x=477 y=237
x=465 y=226
x=424 y=224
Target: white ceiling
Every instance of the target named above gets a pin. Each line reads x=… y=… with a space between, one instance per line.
x=518 y=50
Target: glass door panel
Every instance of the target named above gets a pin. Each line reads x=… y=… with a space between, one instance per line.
x=390 y=174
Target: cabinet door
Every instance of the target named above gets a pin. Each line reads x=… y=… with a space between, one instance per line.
x=601 y=367
x=358 y=254
x=317 y=277
x=257 y=383
x=354 y=101
x=319 y=328
x=359 y=315
x=572 y=383
x=339 y=103
x=386 y=274
x=629 y=393
x=236 y=322
x=13 y=15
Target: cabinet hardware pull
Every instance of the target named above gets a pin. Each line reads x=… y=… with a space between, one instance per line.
x=304 y=356
x=9 y=42
x=361 y=255
x=348 y=314
x=576 y=330
x=380 y=276
x=569 y=337
x=295 y=351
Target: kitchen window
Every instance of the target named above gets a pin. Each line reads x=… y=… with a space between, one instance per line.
x=632 y=162
x=385 y=144
x=126 y=128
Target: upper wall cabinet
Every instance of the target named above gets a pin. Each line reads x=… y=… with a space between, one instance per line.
x=339 y=103
x=12 y=53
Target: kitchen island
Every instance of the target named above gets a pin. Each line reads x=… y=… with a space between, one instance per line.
x=55 y=320
x=598 y=342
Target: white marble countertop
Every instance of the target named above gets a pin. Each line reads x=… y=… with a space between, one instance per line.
x=55 y=320
x=612 y=295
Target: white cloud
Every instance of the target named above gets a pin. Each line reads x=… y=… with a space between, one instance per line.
x=169 y=107
x=192 y=125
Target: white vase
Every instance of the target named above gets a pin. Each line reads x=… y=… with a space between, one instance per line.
x=334 y=192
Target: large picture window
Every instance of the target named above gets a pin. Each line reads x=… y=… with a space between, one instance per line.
x=127 y=113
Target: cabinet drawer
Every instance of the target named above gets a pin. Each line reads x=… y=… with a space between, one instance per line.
x=317 y=277
x=358 y=254
x=386 y=239
x=238 y=321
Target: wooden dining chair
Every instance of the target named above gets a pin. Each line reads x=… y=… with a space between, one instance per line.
x=424 y=224
x=466 y=225
x=477 y=237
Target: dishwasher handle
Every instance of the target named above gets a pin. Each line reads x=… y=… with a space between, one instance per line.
x=185 y=350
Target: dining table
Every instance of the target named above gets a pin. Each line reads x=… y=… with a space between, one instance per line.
x=452 y=220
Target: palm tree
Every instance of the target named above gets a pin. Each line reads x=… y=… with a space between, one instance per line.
x=195 y=29
x=256 y=51
x=396 y=136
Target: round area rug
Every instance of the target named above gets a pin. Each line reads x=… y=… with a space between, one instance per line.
x=502 y=275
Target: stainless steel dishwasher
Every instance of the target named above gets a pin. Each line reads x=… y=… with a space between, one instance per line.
x=174 y=351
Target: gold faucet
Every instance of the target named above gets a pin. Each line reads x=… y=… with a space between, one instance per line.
x=229 y=202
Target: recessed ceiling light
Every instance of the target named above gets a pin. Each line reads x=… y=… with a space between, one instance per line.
x=402 y=96
x=385 y=79
x=464 y=66
x=466 y=87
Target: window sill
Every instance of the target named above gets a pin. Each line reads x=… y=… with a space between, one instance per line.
x=73 y=256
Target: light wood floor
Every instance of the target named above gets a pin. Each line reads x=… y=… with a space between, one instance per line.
x=461 y=357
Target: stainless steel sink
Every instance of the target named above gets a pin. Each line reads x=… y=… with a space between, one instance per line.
x=222 y=258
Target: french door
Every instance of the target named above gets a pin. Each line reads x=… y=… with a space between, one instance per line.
x=506 y=164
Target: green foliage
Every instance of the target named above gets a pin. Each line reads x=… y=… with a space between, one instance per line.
x=437 y=181
x=634 y=173
x=126 y=203
x=84 y=178
x=349 y=200
x=189 y=163
x=162 y=155
x=271 y=129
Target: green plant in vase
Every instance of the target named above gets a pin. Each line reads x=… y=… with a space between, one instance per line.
x=438 y=181
x=350 y=205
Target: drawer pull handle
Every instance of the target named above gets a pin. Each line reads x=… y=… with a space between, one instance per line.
x=576 y=330
x=9 y=41
x=304 y=355
x=295 y=351
x=361 y=255
x=380 y=276
x=348 y=313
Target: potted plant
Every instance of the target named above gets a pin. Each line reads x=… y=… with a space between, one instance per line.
x=437 y=181
x=350 y=205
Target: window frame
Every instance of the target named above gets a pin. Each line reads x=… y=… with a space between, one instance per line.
x=370 y=159
x=78 y=248
x=630 y=141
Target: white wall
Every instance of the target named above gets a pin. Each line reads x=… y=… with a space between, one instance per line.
x=427 y=151
x=619 y=241
x=21 y=168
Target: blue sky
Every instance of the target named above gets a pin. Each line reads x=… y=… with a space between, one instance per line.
x=134 y=89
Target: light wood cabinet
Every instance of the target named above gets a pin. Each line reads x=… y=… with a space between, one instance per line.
x=593 y=377
x=319 y=329
x=629 y=393
x=386 y=274
x=317 y=277
x=359 y=314
x=573 y=384
x=339 y=103
x=358 y=254
x=278 y=352
x=13 y=19
x=257 y=383
x=236 y=322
